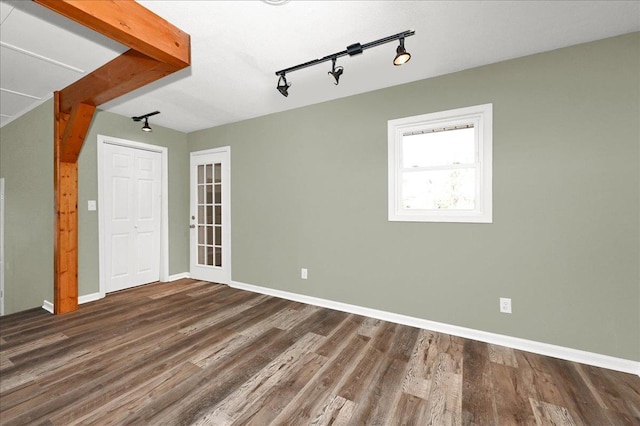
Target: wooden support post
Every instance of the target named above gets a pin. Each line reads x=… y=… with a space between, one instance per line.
x=65 y=289
x=157 y=49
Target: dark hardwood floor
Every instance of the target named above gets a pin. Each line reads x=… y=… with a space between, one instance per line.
x=191 y=352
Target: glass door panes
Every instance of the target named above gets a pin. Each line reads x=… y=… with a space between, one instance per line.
x=210 y=214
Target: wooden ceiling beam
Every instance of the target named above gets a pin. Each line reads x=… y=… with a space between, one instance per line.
x=75 y=132
x=157 y=49
x=122 y=75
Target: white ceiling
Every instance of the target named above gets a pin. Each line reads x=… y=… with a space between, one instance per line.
x=237 y=46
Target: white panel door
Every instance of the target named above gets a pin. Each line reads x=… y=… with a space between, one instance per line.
x=132 y=216
x=210 y=234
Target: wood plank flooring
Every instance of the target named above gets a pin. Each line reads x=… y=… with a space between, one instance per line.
x=191 y=352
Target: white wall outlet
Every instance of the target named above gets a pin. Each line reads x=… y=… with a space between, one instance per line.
x=505 y=305
x=91 y=205
x=303 y=273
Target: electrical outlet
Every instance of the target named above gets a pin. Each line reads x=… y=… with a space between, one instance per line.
x=505 y=305
x=303 y=273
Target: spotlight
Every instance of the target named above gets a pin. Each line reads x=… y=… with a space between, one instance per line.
x=145 y=117
x=283 y=86
x=146 y=127
x=335 y=72
x=402 y=56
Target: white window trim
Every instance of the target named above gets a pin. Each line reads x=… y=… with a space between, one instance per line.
x=482 y=118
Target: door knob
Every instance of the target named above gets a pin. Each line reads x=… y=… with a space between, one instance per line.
x=192 y=226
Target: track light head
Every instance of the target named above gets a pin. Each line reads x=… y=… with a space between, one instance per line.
x=145 y=117
x=336 y=72
x=146 y=127
x=283 y=86
x=402 y=56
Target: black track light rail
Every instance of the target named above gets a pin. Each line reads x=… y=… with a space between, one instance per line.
x=351 y=50
x=142 y=117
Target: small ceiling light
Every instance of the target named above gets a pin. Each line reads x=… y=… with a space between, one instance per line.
x=146 y=127
x=276 y=2
x=402 y=56
x=283 y=86
x=336 y=72
x=145 y=117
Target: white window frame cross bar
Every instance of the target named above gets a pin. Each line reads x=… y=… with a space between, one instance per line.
x=481 y=118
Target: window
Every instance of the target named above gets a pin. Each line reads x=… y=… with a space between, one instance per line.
x=440 y=166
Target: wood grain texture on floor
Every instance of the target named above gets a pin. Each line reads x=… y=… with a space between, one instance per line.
x=197 y=353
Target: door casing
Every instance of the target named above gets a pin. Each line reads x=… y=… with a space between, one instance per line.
x=103 y=202
x=2 y=246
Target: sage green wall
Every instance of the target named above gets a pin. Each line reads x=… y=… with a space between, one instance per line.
x=27 y=165
x=309 y=189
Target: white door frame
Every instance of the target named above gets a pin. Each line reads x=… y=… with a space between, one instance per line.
x=2 y=246
x=164 y=205
x=226 y=202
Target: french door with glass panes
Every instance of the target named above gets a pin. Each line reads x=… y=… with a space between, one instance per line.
x=210 y=227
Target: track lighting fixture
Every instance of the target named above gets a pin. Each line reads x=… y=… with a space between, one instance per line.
x=335 y=72
x=145 y=117
x=402 y=57
x=283 y=86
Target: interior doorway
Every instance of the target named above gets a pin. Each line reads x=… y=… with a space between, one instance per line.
x=210 y=233
x=132 y=188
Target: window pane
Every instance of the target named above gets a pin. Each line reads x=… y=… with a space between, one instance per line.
x=439 y=148
x=210 y=235
x=218 y=173
x=439 y=190
x=218 y=256
x=218 y=241
x=200 y=174
x=201 y=235
x=209 y=194
x=201 y=256
x=218 y=194
x=200 y=194
x=201 y=217
x=218 y=215
x=209 y=173
x=210 y=255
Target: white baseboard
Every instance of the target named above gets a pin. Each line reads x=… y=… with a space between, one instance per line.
x=47 y=306
x=90 y=298
x=177 y=277
x=569 y=354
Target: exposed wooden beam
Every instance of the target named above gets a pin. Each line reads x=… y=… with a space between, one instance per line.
x=75 y=132
x=122 y=75
x=157 y=49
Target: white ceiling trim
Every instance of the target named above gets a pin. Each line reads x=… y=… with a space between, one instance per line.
x=2 y=89
x=41 y=57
